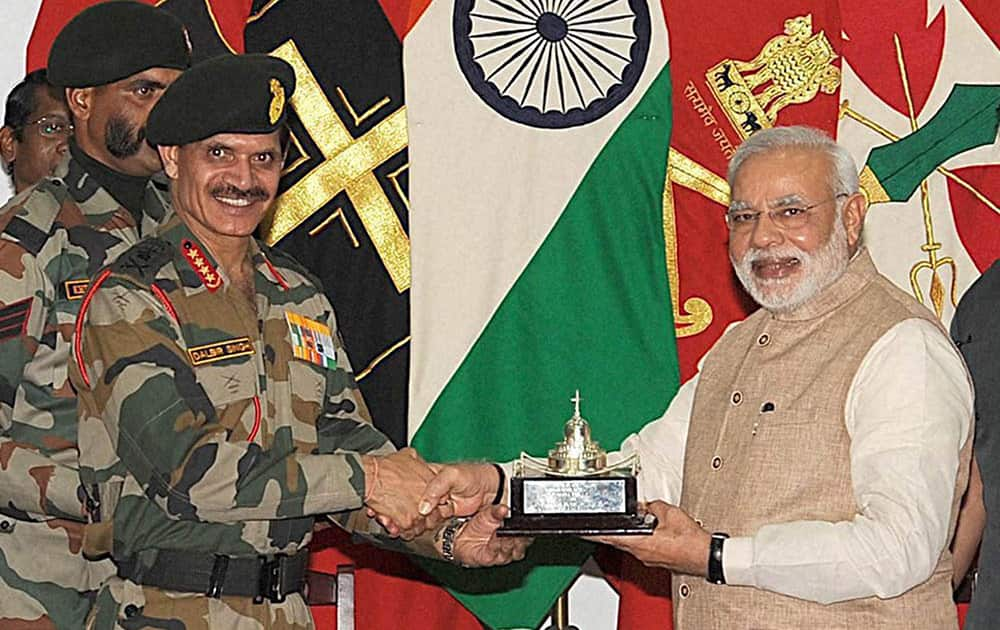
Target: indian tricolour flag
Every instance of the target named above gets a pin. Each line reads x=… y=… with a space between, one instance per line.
x=539 y=133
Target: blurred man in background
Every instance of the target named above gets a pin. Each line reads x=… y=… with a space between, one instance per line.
x=36 y=130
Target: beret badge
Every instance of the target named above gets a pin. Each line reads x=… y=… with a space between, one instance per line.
x=277 y=101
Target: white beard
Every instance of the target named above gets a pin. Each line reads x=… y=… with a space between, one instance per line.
x=817 y=271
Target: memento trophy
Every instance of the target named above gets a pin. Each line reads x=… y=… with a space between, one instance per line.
x=575 y=492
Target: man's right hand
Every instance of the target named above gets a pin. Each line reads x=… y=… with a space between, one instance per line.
x=465 y=488
x=393 y=485
x=477 y=543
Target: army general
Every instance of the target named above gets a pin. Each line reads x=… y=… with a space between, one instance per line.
x=216 y=394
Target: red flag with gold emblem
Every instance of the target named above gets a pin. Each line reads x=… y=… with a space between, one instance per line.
x=735 y=68
x=915 y=74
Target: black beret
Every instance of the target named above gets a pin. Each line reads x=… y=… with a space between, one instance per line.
x=114 y=40
x=226 y=94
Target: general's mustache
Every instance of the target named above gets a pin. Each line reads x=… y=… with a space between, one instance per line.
x=255 y=193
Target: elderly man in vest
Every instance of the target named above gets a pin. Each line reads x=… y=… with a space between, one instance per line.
x=809 y=475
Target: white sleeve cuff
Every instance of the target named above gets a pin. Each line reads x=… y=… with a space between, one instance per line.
x=737 y=561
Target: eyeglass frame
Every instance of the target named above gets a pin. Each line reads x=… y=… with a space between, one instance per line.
x=771 y=213
x=70 y=127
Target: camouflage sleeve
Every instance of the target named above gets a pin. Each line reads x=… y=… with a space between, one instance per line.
x=33 y=479
x=345 y=423
x=168 y=435
x=370 y=531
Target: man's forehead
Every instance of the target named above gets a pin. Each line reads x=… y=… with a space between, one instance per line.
x=47 y=99
x=244 y=142
x=781 y=201
x=781 y=176
x=166 y=76
x=793 y=160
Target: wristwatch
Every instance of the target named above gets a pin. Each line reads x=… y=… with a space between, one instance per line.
x=448 y=538
x=715 y=574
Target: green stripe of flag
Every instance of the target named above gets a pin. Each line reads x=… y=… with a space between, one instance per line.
x=591 y=311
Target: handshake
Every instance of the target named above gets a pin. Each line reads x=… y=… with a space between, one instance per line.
x=460 y=503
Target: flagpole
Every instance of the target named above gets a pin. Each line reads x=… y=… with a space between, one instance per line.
x=560 y=614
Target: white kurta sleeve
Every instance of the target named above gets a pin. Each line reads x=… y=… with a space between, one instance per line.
x=660 y=445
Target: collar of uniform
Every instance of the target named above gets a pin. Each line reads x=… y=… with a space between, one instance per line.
x=860 y=271
x=74 y=175
x=156 y=205
x=196 y=256
x=178 y=234
x=128 y=191
x=265 y=267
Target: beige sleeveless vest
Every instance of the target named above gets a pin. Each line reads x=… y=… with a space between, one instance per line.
x=768 y=444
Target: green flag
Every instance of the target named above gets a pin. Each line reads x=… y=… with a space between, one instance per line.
x=538 y=262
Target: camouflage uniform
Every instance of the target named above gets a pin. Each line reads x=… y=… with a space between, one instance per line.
x=52 y=238
x=214 y=438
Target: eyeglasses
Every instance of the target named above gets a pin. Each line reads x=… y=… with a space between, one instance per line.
x=53 y=126
x=786 y=218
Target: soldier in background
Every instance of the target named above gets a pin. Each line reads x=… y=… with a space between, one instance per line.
x=217 y=402
x=114 y=60
x=36 y=130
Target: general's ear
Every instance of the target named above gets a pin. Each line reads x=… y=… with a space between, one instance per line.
x=168 y=155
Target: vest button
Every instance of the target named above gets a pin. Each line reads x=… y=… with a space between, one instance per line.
x=716 y=462
x=131 y=610
x=737 y=398
x=763 y=340
x=767 y=407
x=684 y=591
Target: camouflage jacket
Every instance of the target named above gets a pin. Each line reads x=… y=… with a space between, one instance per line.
x=53 y=237
x=226 y=424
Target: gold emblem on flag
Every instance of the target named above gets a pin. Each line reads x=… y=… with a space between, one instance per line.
x=277 y=101
x=790 y=68
x=348 y=166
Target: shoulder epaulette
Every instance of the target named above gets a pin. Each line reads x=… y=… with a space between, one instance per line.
x=29 y=236
x=144 y=259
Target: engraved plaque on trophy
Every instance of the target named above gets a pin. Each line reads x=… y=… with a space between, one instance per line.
x=574 y=491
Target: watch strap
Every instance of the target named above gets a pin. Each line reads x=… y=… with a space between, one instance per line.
x=715 y=572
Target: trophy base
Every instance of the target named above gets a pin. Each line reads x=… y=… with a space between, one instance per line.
x=577 y=525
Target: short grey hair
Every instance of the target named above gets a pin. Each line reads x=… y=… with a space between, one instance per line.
x=843 y=179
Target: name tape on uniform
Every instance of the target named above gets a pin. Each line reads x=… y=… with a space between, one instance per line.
x=212 y=352
x=76 y=289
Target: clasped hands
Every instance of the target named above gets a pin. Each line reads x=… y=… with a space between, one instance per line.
x=417 y=496
x=409 y=496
